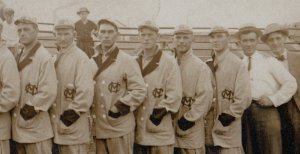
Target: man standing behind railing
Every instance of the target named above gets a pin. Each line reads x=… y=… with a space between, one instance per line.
x=85 y=28
x=10 y=34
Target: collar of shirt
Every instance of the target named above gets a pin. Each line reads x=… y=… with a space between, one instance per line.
x=84 y=22
x=25 y=50
x=253 y=56
x=284 y=54
x=219 y=58
x=68 y=49
x=149 y=57
x=186 y=55
x=99 y=50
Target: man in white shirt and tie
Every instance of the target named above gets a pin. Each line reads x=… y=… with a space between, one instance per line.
x=271 y=86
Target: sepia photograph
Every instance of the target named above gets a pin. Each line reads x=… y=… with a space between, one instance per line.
x=149 y=77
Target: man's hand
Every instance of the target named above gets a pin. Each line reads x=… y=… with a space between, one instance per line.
x=184 y=124
x=119 y=109
x=226 y=119
x=28 y=112
x=265 y=102
x=69 y=117
x=157 y=115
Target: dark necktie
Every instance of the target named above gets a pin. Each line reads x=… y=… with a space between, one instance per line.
x=249 y=63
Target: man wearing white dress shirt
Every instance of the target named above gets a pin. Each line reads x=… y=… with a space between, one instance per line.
x=275 y=36
x=271 y=86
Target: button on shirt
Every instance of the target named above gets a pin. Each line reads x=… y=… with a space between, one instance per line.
x=269 y=78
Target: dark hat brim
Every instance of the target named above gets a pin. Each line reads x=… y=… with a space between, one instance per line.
x=17 y=22
x=148 y=27
x=218 y=31
x=83 y=11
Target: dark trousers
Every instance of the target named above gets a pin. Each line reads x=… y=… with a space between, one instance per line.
x=87 y=47
x=265 y=129
x=287 y=130
x=294 y=116
x=248 y=133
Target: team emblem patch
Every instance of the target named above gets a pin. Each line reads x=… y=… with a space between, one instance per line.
x=114 y=87
x=187 y=101
x=31 y=89
x=227 y=94
x=157 y=92
x=69 y=93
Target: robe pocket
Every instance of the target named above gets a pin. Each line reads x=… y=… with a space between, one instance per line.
x=29 y=124
x=163 y=126
x=181 y=133
x=219 y=129
x=63 y=129
x=117 y=121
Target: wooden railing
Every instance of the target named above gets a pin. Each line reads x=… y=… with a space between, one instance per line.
x=128 y=40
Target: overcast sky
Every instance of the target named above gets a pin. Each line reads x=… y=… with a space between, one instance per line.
x=196 y=13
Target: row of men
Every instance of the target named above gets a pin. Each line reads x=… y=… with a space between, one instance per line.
x=151 y=103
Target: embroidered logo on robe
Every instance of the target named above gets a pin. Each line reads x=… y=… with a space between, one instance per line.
x=157 y=92
x=227 y=94
x=187 y=101
x=114 y=87
x=69 y=93
x=31 y=89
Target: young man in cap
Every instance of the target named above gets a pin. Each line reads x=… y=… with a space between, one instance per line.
x=69 y=115
x=275 y=37
x=31 y=126
x=10 y=34
x=85 y=29
x=9 y=92
x=119 y=90
x=232 y=94
x=271 y=86
x=155 y=133
x=196 y=98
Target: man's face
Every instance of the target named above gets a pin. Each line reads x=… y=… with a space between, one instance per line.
x=83 y=15
x=107 y=34
x=276 y=41
x=248 y=42
x=27 y=33
x=183 y=42
x=219 y=41
x=8 y=17
x=65 y=37
x=148 y=38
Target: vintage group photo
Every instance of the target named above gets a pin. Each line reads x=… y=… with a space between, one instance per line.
x=149 y=77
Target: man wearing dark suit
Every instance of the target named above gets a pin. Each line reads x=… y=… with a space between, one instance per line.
x=85 y=28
